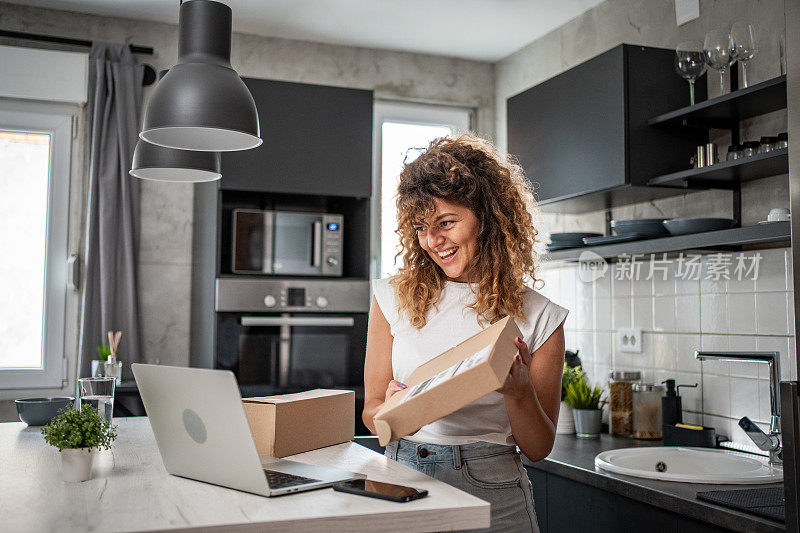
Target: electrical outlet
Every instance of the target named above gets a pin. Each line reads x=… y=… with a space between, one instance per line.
x=629 y=340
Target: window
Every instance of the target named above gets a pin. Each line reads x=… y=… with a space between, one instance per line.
x=401 y=130
x=35 y=150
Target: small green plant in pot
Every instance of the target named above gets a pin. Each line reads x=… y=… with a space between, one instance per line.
x=78 y=435
x=586 y=402
x=566 y=425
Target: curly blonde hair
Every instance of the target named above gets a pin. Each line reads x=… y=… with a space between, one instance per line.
x=469 y=172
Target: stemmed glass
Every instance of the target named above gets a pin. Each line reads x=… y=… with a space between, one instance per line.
x=743 y=45
x=717 y=48
x=690 y=63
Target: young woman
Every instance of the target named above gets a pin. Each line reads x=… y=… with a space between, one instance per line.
x=467 y=244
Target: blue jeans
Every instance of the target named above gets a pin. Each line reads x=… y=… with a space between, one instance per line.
x=491 y=472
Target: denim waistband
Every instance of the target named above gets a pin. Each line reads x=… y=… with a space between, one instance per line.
x=423 y=453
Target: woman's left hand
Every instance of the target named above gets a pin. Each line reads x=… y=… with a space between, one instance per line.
x=518 y=382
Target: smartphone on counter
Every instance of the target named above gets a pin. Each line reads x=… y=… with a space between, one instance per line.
x=384 y=491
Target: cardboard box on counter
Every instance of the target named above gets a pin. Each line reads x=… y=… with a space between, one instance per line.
x=450 y=381
x=287 y=424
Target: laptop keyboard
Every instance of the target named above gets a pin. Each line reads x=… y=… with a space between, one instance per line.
x=280 y=480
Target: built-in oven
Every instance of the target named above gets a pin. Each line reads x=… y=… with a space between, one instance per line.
x=287 y=243
x=280 y=336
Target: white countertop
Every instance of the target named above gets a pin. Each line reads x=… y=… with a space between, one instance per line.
x=131 y=491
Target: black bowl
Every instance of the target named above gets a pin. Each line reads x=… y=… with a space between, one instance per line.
x=39 y=411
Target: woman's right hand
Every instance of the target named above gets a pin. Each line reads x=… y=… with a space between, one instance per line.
x=393 y=387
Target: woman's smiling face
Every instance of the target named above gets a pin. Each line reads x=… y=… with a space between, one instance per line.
x=450 y=237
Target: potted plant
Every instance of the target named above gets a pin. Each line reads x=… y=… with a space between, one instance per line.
x=585 y=401
x=78 y=435
x=98 y=368
x=566 y=424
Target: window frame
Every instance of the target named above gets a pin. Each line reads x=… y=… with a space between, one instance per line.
x=460 y=118
x=56 y=120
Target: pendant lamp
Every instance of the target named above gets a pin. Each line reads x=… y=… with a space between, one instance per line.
x=153 y=162
x=202 y=104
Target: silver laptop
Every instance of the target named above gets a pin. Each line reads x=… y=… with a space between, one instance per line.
x=202 y=433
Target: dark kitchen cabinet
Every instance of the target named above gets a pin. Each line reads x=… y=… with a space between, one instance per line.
x=583 y=137
x=317 y=141
x=564 y=505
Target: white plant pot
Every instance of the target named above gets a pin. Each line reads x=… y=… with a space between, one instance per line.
x=566 y=423
x=76 y=464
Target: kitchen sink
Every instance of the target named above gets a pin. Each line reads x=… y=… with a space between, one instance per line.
x=690 y=465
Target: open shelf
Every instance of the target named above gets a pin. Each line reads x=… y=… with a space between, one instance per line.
x=754 y=167
x=775 y=232
x=725 y=111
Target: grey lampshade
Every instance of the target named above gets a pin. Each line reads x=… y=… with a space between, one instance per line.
x=202 y=104
x=153 y=162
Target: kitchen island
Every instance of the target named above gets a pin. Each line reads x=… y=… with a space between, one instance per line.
x=131 y=491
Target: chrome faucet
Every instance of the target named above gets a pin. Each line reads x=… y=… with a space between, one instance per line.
x=767 y=442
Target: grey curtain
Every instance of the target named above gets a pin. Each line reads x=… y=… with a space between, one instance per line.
x=110 y=291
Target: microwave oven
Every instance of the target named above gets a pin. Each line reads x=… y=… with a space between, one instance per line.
x=287 y=243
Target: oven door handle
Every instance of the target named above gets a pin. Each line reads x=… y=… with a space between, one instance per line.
x=344 y=321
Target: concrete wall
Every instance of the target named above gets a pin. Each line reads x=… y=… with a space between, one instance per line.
x=166 y=209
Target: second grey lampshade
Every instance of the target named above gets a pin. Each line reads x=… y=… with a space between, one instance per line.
x=152 y=162
x=202 y=104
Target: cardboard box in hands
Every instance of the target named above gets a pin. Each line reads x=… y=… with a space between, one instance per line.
x=449 y=381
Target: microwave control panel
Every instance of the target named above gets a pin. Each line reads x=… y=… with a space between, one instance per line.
x=323 y=296
x=332 y=247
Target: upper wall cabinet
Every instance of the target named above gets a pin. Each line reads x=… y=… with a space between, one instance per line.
x=583 y=138
x=317 y=141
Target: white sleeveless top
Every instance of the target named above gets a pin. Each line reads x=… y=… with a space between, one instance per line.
x=449 y=323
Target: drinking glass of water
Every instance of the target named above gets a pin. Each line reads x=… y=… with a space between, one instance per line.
x=99 y=393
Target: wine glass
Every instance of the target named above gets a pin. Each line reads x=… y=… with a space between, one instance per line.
x=690 y=63
x=743 y=45
x=717 y=48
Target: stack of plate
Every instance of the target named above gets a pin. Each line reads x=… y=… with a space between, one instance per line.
x=562 y=241
x=632 y=230
x=686 y=226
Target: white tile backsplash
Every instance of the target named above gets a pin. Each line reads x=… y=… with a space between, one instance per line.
x=679 y=316
x=772 y=313
x=685 y=346
x=664 y=314
x=741 y=310
x=643 y=312
x=687 y=313
x=716 y=394
x=771 y=271
x=603 y=318
x=713 y=313
x=621 y=311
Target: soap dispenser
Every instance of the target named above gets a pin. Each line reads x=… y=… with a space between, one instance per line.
x=671 y=405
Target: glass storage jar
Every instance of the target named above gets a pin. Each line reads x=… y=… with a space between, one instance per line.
x=733 y=152
x=767 y=144
x=647 y=410
x=620 y=401
x=783 y=140
x=750 y=148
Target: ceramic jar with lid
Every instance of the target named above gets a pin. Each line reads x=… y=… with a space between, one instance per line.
x=620 y=401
